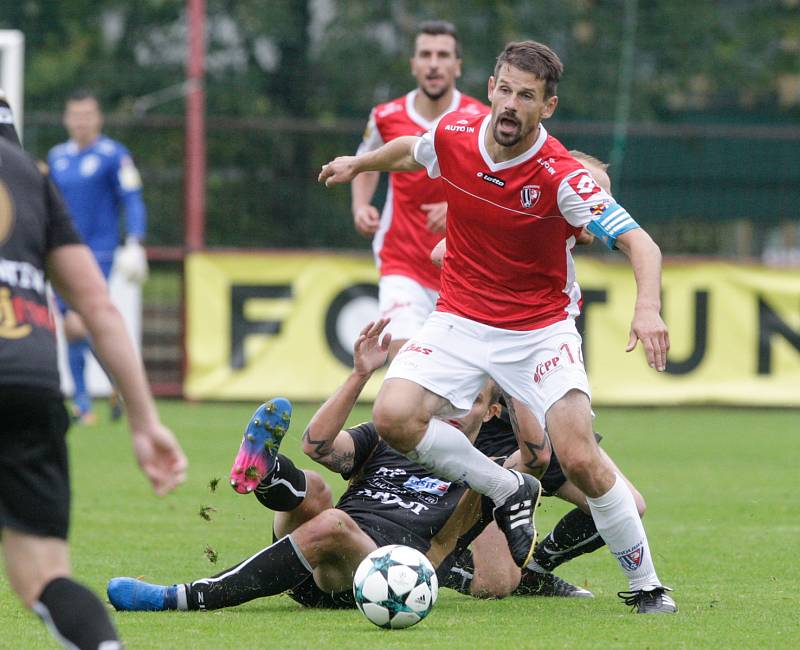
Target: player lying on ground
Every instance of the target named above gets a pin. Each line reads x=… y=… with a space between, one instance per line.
x=390 y=500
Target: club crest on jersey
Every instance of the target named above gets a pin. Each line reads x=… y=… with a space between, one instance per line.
x=89 y=165
x=428 y=485
x=529 y=195
x=632 y=559
x=598 y=208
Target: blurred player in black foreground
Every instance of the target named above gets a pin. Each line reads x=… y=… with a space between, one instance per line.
x=390 y=500
x=38 y=243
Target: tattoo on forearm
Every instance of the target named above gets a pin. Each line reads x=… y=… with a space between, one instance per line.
x=321 y=447
x=342 y=463
x=324 y=453
x=537 y=465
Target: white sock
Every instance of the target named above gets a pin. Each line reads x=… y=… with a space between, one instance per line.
x=618 y=522
x=446 y=452
x=183 y=605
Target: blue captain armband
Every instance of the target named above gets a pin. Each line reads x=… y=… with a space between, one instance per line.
x=611 y=223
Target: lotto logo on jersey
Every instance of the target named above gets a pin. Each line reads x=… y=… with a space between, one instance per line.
x=529 y=195
x=632 y=559
x=584 y=186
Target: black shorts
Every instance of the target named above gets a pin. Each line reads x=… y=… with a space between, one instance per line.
x=34 y=473
x=308 y=594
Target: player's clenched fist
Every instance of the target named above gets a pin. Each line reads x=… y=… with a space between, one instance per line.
x=339 y=170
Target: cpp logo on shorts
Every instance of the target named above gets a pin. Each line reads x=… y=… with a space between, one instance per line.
x=630 y=560
x=545 y=368
x=584 y=186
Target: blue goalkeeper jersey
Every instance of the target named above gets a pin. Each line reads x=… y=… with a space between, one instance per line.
x=96 y=183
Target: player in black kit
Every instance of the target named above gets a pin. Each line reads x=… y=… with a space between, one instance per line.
x=389 y=500
x=38 y=243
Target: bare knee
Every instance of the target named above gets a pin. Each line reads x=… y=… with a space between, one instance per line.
x=641 y=504
x=328 y=533
x=318 y=493
x=587 y=469
x=398 y=422
x=496 y=575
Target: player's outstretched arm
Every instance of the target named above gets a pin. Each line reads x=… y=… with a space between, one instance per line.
x=395 y=156
x=75 y=274
x=647 y=325
x=324 y=440
x=366 y=217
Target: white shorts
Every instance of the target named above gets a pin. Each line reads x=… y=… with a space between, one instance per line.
x=406 y=302
x=452 y=356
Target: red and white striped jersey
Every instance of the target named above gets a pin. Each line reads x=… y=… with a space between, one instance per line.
x=403 y=243
x=510 y=225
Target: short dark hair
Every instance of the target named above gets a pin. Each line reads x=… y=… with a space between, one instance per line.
x=439 y=28
x=81 y=94
x=533 y=57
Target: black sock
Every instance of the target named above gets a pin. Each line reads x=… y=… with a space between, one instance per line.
x=460 y=575
x=575 y=534
x=74 y=615
x=269 y=572
x=284 y=488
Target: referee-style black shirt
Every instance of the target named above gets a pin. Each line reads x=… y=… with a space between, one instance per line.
x=401 y=501
x=33 y=222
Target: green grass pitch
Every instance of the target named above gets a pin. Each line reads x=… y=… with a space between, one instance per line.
x=723 y=520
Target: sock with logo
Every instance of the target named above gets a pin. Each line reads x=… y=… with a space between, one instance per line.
x=269 y=572
x=618 y=522
x=75 y=616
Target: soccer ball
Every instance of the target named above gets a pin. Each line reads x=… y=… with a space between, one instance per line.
x=395 y=586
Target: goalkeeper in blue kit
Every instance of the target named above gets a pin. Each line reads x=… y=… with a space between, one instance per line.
x=98 y=179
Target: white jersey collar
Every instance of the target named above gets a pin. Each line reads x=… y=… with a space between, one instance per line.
x=419 y=119
x=523 y=157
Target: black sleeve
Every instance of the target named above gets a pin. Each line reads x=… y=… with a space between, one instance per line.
x=60 y=229
x=365 y=438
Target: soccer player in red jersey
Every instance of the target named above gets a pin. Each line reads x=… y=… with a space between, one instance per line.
x=516 y=202
x=413 y=217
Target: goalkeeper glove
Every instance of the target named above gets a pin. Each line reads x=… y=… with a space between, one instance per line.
x=132 y=261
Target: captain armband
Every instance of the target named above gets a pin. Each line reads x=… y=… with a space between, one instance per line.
x=611 y=220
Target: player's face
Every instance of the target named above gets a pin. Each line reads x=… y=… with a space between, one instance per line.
x=518 y=105
x=83 y=120
x=483 y=409
x=435 y=64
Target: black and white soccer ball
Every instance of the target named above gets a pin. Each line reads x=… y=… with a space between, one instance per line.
x=395 y=586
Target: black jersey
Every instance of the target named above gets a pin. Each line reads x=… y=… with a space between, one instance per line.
x=398 y=500
x=33 y=222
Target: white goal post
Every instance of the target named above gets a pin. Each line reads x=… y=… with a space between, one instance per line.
x=12 y=65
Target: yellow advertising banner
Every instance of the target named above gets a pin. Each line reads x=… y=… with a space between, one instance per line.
x=265 y=324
